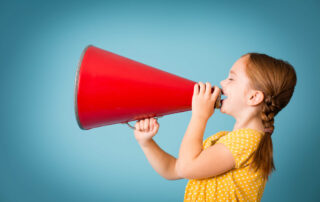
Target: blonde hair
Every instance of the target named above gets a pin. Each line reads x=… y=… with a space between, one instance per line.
x=276 y=79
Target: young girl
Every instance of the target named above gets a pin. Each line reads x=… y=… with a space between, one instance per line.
x=230 y=165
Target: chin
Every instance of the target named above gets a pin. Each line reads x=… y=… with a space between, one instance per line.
x=222 y=110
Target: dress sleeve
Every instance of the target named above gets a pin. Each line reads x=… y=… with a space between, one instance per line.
x=242 y=146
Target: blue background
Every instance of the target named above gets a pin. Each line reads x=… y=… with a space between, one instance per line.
x=45 y=156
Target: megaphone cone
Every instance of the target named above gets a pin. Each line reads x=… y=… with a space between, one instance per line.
x=111 y=89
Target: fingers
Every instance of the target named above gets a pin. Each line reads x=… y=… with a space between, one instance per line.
x=196 y=89
x=146 y=124
x=216 y=93
x=137 y=125
x=204 y=88
x=208 y=89
x=141 y=125
x=199 y=88
x=153 y=124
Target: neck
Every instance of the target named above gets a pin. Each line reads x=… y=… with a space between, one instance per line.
x=249 y=120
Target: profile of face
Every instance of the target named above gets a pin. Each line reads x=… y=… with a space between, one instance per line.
x=239 y=96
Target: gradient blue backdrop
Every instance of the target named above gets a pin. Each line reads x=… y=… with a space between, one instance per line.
x=45 y=156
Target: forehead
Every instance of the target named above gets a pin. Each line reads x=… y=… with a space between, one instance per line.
x=238 y=67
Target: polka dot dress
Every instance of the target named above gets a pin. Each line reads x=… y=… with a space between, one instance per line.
x=238 y=184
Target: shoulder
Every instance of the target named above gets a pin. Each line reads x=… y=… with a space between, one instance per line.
x=241 y=143
x=211 y=140
x=213 y=160
x=245 y=135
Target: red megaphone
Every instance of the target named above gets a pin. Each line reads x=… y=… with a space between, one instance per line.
x=111 y=89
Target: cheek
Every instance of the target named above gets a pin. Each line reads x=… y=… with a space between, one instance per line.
x=238 y=97
x=245 y=95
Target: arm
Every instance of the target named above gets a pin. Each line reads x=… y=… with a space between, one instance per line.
x=191 y=145
x=193 y=161
x=196 y=163
x=162 y=162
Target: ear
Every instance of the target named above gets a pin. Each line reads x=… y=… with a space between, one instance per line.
x=255 y=97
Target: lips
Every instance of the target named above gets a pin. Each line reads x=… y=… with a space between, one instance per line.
x=222 y=92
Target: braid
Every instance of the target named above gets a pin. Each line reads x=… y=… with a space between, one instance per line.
x=276 y=79
x=269 y=110
x=265 y=149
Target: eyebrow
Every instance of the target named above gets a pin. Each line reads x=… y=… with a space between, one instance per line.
x=232 y=72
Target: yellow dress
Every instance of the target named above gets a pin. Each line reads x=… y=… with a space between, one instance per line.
x=239 y=183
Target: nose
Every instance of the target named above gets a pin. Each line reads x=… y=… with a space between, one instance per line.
x=222 y=83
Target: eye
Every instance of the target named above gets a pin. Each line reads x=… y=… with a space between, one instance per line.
x=230 y=79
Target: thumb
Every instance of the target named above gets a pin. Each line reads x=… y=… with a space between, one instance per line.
x=216 y=93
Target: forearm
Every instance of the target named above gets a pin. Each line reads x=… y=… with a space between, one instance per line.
x=191 y=145
x=162 y=162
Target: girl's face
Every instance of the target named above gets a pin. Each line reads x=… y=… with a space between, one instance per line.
x=235 y=88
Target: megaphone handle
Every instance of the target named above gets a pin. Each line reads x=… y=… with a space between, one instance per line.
x=132 y=127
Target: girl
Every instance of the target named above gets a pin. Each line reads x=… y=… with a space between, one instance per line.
x=230 y=165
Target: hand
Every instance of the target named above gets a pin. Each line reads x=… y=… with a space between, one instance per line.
x=145 y=130
x=203 y=100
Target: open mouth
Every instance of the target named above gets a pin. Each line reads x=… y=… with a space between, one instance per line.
x=223 y=97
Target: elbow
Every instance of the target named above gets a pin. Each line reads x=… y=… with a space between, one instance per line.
x=171 y=178
x=174 y=173
x=182 y=170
